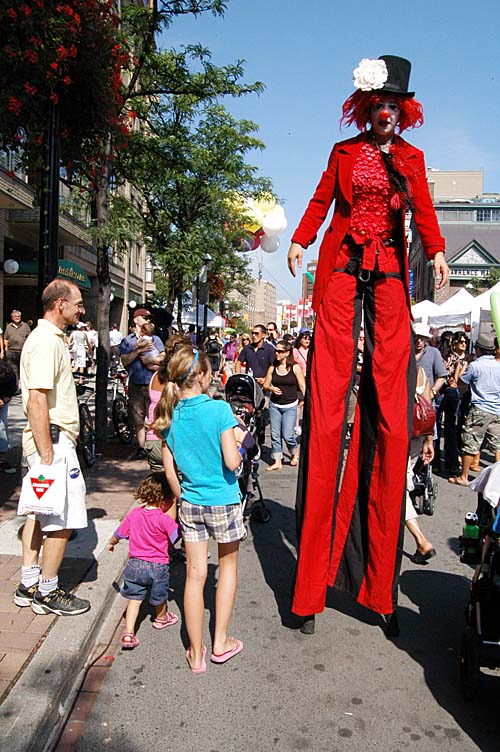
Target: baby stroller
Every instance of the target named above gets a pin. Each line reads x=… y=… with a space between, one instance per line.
x=425 y=488
x=481 y=638
x=246 y=399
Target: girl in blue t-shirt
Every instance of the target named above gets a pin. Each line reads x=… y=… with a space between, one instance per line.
x=200 y=440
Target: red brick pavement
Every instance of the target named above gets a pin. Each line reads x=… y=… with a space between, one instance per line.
x=109 y=495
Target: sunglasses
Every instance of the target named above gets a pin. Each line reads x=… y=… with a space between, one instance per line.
x=256 y=334
x=281 y=351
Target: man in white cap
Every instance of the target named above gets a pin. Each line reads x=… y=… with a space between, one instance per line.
x=483 y=420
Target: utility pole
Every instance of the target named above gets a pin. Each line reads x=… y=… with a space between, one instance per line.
x=49 y=204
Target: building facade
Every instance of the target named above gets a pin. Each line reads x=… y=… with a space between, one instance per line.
x=19 y=230
x=470 y=225
x=261 y=306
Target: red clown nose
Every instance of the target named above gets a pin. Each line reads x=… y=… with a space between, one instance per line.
x=385 y=114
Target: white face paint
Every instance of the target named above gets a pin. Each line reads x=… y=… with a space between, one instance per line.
x=384 y=116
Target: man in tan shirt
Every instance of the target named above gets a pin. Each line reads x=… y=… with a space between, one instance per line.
x=51 y=407
x=15 y=335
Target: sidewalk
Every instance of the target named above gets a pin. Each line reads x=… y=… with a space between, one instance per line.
x=87 y=563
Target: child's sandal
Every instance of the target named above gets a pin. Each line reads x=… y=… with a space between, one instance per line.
x=168 y=621
x=129 y=641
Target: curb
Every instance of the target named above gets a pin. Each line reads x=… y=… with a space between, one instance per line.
x=34 y=711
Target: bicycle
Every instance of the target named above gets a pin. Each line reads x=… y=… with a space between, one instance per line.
x=119 y=406
x=86 y=438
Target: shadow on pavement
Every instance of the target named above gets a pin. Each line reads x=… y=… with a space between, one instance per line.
x=274 y=543
x=432 y=638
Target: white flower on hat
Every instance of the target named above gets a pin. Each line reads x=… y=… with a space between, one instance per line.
x=370 y=74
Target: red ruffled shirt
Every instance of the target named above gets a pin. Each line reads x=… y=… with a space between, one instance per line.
x=371 y=195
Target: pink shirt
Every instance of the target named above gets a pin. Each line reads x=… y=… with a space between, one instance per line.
x=148 y=531
x=154 y=398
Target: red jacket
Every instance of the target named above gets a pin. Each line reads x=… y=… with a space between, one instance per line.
x=336 y=183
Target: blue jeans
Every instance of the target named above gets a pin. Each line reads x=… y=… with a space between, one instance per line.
x=282 y=424
x=141 y=575
x=4 y=429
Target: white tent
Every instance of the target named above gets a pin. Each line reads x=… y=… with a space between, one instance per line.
x=189 y=316
x=454 y=313
x=421 y=311
x=461 y=302
x=483 y=301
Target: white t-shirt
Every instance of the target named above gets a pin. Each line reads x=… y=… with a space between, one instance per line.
x=115 y=337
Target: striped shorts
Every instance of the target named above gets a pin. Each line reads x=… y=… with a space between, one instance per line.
x=223 y=523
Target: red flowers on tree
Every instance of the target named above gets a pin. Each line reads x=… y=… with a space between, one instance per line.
x=70 y=54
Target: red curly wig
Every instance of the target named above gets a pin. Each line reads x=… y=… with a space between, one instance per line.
x=356 y=109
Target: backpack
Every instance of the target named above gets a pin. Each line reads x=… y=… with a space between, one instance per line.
x=213 y=346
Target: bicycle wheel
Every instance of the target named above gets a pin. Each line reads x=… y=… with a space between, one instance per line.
x=120 y=420
x=87 y=435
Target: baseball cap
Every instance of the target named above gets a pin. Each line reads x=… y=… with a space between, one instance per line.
x=141 y=312
x=422 y=330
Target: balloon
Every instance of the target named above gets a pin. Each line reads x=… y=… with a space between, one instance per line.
x=495 y=311
x=274 y=223
x=264 y=204
x=256 y=241
x=269 y=244
x=246 y=244
x=254 y=215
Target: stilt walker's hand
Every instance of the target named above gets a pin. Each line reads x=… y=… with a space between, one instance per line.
x=441 y=270
x=295 y=255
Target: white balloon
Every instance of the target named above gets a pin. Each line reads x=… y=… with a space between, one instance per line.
x=274 y=223
x=269 y=244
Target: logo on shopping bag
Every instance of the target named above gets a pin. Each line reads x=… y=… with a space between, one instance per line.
x=41 y=485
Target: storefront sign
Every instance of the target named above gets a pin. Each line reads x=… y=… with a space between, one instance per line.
x=71 y=271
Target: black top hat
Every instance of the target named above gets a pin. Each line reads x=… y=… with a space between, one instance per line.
x=398 y=69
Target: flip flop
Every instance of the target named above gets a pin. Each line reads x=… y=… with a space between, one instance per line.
x=419 y=558
x=272 y=468
x=130 y=644
x=168 y=621
x=228 y=654
x=203 y=666
x=294 y=461
x=458 y=482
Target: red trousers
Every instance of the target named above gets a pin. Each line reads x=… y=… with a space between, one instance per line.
x=351 y=520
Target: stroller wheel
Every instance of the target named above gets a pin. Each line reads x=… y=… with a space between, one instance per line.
x=428 y=505
x=469 y=663
x=418 y=503
x=260 y=513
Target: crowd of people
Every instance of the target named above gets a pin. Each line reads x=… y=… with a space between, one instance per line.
x=193 y=444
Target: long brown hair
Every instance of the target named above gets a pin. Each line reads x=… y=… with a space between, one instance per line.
x=184 y=367
x=290 y=360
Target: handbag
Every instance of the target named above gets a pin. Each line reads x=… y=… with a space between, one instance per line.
x=424 y=417
x=44 y=489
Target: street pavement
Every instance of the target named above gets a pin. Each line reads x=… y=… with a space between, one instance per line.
x=23 y=635
x=347 y=687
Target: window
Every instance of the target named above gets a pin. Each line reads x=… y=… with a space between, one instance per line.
x=488 y=215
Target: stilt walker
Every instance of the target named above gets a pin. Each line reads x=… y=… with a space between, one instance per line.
x=351 y=519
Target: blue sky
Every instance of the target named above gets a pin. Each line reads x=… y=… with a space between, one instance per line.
x=305 y=54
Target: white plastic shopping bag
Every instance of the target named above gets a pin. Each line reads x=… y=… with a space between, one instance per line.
x=44 y=489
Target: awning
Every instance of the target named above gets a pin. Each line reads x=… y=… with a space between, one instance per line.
x=71 y=271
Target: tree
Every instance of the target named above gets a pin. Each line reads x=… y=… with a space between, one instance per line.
x=97 y=69
x=187 y=165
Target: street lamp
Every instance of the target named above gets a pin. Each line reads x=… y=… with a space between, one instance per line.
x=202 y=293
